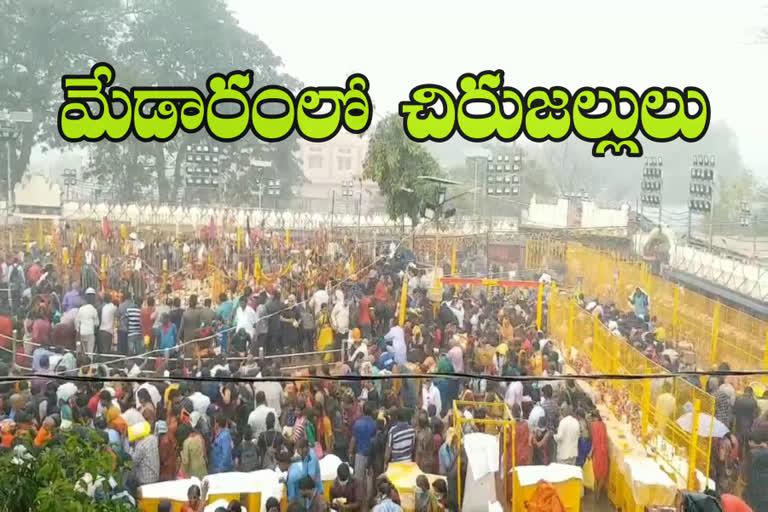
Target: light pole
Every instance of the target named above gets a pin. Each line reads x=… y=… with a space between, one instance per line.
x=503 y=177
x=359 y=211
x=70 y=180
x=701 y=188
x=10 y=129
x=273 y=189
x=745 y=217
x=203 y=161
x=346 y=193
x=652 y=184
x=261 y=165
x=434 y=211
x=476 y=162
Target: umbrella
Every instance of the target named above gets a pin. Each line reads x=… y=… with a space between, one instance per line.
x=708 y=426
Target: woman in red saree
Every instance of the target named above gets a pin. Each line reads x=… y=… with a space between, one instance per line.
x=599 y=452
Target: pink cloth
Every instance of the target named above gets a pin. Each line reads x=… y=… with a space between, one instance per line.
x=456 y=355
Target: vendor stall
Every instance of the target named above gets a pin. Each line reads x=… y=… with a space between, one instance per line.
x=403 y=476
x=329 y=466
x=567 y=480
x=149 y=496
x=251 y=489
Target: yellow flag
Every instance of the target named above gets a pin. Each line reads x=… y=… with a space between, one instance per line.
x=403 y=301
x=453 y=259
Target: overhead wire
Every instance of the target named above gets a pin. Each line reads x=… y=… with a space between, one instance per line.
x=406 y=376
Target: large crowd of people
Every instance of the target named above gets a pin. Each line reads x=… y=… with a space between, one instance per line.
x=351 y=326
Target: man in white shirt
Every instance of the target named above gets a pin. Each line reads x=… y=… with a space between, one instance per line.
x=537 y=412
x=273 y=392
x=257 y=420
x=458 y=310
x=106 y=332
x=86 y=321
x=430 y=395
x=340 y=316
x=245 y=318
x=200 y=402
x=514 y=394
x=397 y=336
x=318 y=299
x=567 y=438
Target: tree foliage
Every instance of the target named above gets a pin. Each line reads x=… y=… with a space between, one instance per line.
x=47 y=481
x=41 y=40
x=168 y=43
x=395 y=162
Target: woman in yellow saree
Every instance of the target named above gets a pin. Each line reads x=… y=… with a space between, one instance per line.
x=325 y=332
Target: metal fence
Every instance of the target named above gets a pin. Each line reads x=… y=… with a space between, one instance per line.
x=716 y=332
x=576 y=329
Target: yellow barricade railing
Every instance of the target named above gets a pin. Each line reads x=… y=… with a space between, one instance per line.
x=574 y=327
x=716 y=332
x=544 y=254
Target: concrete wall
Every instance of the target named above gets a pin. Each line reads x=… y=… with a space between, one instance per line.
x=592 y=216
x=554 y=214
x=547 y=215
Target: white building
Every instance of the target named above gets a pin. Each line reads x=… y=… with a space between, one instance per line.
x=333 y=168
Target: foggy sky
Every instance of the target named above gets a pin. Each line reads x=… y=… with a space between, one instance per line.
x=400 y=44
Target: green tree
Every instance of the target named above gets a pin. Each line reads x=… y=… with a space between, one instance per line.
x=46 y=482
x=182 y=42
x=395 y=162
x=730 y=190
x=173 y=42
x=40 y=41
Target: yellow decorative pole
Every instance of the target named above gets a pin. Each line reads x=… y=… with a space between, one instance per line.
x=165 y=274
x=453 y=258
x=239 y=270
x=65 y=255
x=569 y=337
x=715 y=334
x=765 y=358
x=675 y=311
x=540 y=306
x=287 y=237
x=103 y=272
x=692 y=480
x=403 y=301
x=239 y=238
x=646 y=404
x=256 y=267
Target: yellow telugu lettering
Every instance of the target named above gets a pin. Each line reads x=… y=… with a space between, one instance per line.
x=313 y=124
x=76 y=121
x=421 y=121
x=229 y=91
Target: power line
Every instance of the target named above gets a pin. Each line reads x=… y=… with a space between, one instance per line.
x=407 y=376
